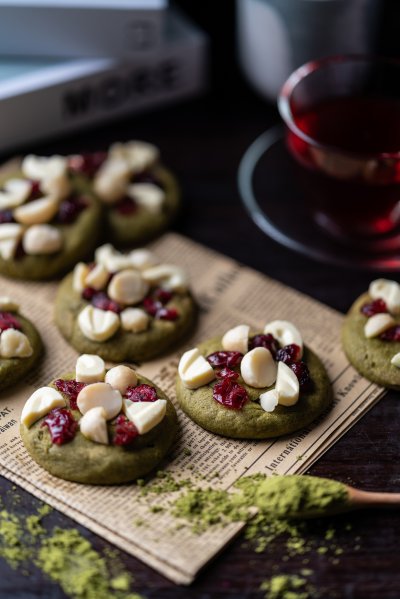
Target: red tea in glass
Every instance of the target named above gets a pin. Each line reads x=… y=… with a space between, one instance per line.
x=342 y=119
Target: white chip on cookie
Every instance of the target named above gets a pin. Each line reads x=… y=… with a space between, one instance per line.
x=237 y=339
x=387 y=290
x=258 y=368
x=194 y=370
x=396 y=360
x=134 y=320
x=145 y=415
x=121 y=377
x=377 y=324
x=40 y=403
x=93 y=425
x=37 y=212
x=14 y=344
x=43 y=167
x=98 y=325
x=142 y=259
x=127 y=287
x=138 y=155
x=287 y=385
x=168 y=276
x=285 y=332
x=97 y=277
x=15 y=192
x=10 y=235
x=100 y=395
x=111 y=180
x=147 y=195
x=80 y=273
x=57 y=186
x=90 y=369
x=269 y=400
x=42 y=240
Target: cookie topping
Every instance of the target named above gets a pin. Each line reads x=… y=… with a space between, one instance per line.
x=135 y=320
x=93 y=425
x=10 y=235
x=377 y=306
x=100 y=395
x=267 y=341
x=147 y=195
x=37 y=212
x=258 y=368
x=194 y=370
x=221 y=359
x=97 y=277
x=70 y=388
x=141 y=393
x=14 y=193
x=98 y=325
x=287 y=385
x=41 y=240
x=121 y=378
x=90 y=369
x=40 y=403
x=303 y=374
x=269 y=400
x=396 y=360
x=230 y=394
x=127 y=287
x=145 y=415
x=62 y=425
x=14 y=344
x=237 y=339
x=286 y=333
x=377 y=324
x=8 y=321
x=125 y=431
x=387 y=290
x=288 y=354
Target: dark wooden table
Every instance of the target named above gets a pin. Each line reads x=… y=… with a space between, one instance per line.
x=203 y=142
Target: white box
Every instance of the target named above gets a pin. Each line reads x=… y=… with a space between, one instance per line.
x=81 y=28
x=42 y=99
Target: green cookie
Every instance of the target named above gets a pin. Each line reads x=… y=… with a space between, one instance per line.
x=371 y=357
x=85 y=461
x=142 y=225
x=124 y=345
x=252 y=422
x=79 y=240
x=13 y=370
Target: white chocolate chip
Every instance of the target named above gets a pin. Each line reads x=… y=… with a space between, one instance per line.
x=118 y=262
x=145 y=415
x=42 y=239
x=93 y=425
x=143 y=259
x=90 y=369
x=16 y=192
x=287 y=385
x=194 y=370
x=387 y=290
x=97 y=277
x=237 y=339
x=37 y=212
x=396 y=360
x=57 y=186
x=8 y=304
x=377 y=324
x=40 y=403
x=81 y=271
x=103 y=253
x=147 y=196
x=269 y=400
x=98 y=325
x=10 y=234
x=127 y=287
x=168 y=276
x=258 y=368
x=285 y=332
x=135 y=320
x=100 y=395
x=111 y=180
x=139 y=155
x=42 y=167
x=14 y=344
x=121 y=377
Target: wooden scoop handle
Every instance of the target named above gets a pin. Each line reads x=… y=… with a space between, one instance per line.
x=365 y=499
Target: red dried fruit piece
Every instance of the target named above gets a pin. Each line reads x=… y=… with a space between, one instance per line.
x=70 y=209
x=227 y=373
x=88 y=163
x=167 y=314
x=6 y=216
x=103 y=302
x=151 y=305
x=126 y=206
x=392 y=334
x=288 y=354
x=71 y=388
x=8 y=321
x=222 y=359
x=35 y=192
x=162 y=295
x=377 y=306
x=61 y=424
x=88 y=293
x=230 y=394
x=141 y=393
x=268 y=341
x=125 y=431
x=303 y=374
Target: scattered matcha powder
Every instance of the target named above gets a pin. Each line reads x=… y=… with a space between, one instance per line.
x=285 y=586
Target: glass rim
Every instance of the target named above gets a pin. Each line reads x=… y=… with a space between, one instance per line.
x=307 y=69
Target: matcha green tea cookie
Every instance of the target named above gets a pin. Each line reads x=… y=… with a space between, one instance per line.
x=253 y=386
x=140 y=196
x=124 y=307
x=49 y=219
x=98 y=427
x=20 y=344
x=371 y=333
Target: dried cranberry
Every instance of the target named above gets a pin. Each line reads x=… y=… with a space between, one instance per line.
x=6 y=216
x=221 y=359
x=61 y=424
x=268 y=341
x=303 y=374
x=151 y=305
x=162 y=295
x=227 y=373
x=141 y=393
x=125 y=431
x=8 y=321
x=230 y=394
x=88 y=293
x=87 y=164
x=378 y=306
x=392 y=334
x=126 y=206
x=167 y=314
x=35 y=190
x=70 y=209
x=103 y=302
x=288 y=354
x=71 y=388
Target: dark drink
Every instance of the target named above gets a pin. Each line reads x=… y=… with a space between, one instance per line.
x=352 y=173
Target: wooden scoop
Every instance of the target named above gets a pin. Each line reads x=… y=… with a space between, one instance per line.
x=369 y=499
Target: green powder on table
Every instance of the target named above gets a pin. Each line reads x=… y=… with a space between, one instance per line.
x=286 y=586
